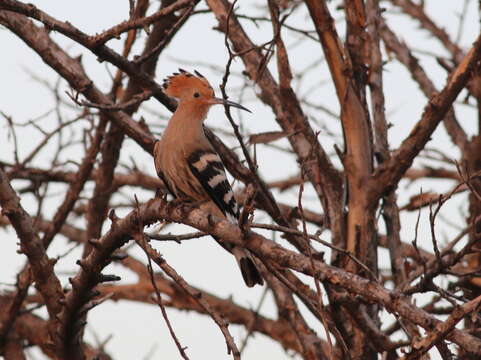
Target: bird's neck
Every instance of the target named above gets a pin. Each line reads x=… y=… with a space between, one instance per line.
x=192 y=111
x=186 y=123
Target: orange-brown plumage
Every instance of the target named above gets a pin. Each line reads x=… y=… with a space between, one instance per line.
x=189 y=166
x=180 y=85
x=193 y=92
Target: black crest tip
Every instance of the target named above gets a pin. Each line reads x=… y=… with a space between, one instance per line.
x=199 y=74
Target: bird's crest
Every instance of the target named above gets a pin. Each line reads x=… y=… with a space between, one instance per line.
x=175 y=84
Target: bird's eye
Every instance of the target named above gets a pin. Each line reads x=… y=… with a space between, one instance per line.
x=196 y=94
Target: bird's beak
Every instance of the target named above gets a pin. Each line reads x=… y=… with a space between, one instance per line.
x=228 y=103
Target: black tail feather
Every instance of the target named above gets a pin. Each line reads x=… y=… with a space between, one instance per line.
x=248 y=268
x=250 y=273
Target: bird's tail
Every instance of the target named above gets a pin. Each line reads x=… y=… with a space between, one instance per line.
x=248 y=268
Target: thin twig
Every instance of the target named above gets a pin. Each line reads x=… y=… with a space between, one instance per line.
x=141 y=239
x=196 y=295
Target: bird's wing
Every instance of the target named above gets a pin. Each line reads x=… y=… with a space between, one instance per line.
x=160 y=174
x=158 y=169
x=208 y=169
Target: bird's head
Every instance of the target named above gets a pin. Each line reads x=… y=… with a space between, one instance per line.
x=194 y=90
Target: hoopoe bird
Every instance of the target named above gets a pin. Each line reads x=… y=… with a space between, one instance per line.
x=188 y=164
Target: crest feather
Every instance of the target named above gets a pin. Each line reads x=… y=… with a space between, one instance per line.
x=175 y=84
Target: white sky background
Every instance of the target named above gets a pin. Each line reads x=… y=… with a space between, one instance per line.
x=138 y=328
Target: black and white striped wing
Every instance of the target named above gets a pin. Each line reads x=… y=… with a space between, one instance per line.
x=207 y=167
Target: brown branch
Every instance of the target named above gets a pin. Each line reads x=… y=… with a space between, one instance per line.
x=195 y=295
x=263 y=248
x=71 y=70
x=390 y=209
x=35 y=331
x=288 y=310
x=31 y=245
x=142 y=291
x=140 y=23
x=337 y=59
x=76 y=187
x=316 y=238
x=327 y=181
x=357 y=159
x=152 y=254
x=162 y=32
x=355 y=224
x=417 y=12
x=240 y=172
x=278 y=330
x=442 y=329
x=137 y=12
x=45 y=141
x=430 y=172
x=389 y=173
x=132 y=178
x=135 y=102
x=102 y=51
x=14 y=350
x=265 y=194
x=405 y=56
x=268 y=250
x=170 y=31
x=12 y=309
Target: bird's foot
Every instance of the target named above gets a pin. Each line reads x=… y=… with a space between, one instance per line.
x=179 y=200
x=161 y=194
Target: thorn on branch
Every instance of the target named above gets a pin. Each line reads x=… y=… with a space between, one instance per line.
x=79 y=325
x=210 y=220
x=95 y=243
x=106 y=278
x=477 y=226
x=340 y=153
x=73 y=282
x=113 y=217
x=135 y=101
x=248 y=208
x=319 y=256
x=93 y=303
x=93 y=293
x=21 y=249
x=119 y=256
x=73 y=95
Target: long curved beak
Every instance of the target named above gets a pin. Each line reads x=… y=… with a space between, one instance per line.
x=228 y=103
